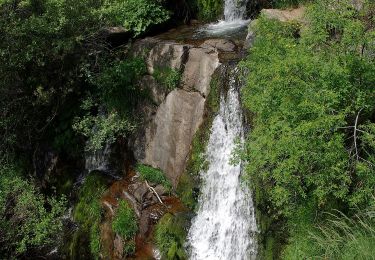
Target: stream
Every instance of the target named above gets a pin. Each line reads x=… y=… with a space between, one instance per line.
x=225 y=224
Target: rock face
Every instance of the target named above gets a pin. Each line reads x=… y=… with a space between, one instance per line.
x=220 y=44
x=169 y=137
x=169 y=127
x=201 y=64
x=285 y=15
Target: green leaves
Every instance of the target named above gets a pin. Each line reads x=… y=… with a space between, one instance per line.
x=305 y=87
x=136 y=16
x=125 y=221
x=27 y=218
x=153 y=175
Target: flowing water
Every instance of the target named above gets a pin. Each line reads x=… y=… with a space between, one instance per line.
x=235 y=10
x=98 y=160
x=225 y=225
x=234 y=20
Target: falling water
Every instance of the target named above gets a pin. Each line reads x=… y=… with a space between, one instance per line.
x=225 y=226
x=98 y=160
x=234 y=20
x=235 y=10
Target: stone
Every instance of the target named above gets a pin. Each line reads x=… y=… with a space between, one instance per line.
x=156 y=91
x=285 y=15
x=140 y=192
x=166 y=55
x=118 y=247
x=220 y=44
x=160 y=190
x=200 y=66
x=170 y=133
x=144 y=223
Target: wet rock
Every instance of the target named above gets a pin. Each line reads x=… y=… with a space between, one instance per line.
x=201 y=65
x=118 y=245
x=144 y=223
x=220 y=44
x=169 y=135
x=160 y=190
x=140 y=192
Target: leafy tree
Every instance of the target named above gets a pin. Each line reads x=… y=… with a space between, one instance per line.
x=310 y=89
x=28 y=220
x=135 y=15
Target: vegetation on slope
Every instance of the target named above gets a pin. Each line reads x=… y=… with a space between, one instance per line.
x=170 y=235
x=125 y=224
x=28 y=219
x=88 y=214
x=311 y=90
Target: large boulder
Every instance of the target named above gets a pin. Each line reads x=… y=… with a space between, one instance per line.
x=167 y=54
x=170 y=133
x=201 y=65
x=285 y=15
x=220 y=45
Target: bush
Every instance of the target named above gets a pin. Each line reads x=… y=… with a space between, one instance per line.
x=125 y=221
x=108 y=110
x=304 y=92
x=210 y=10
x=170 y=236
x=168 y=77
x=136 y=15
x=153 y=175
x=339 y=237
x=28 y=220
x=88 y=213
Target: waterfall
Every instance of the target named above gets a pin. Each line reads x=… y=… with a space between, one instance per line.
x=225 y=225
x=235 y=10
x=98 y=160
x=234 y=21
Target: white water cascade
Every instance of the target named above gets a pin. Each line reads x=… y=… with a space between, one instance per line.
x=234 y=19
x=225 y=225
x=235 y=10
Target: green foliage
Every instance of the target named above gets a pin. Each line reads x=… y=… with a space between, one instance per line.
x=339 y=237
x=306 y=93
x=102 y=129
x=129 y=248
x=288 y=3
x=153 y=175
x=95 y=244
x=170 y=235
x=210 y=9
x=168 y=77
x=136 y=15
x=50 y=53
x=88 y=213
x=118 y=85
x=125 y=224
x=28 y=220
x=117 y=93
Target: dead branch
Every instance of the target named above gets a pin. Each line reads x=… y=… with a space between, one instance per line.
x=154 y=191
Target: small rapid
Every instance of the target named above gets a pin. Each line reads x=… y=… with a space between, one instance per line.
x=225 y=225
x=234 y=20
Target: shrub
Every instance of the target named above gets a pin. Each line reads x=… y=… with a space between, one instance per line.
x=153 y=175
x=170 y=236
x=168 y=77
x=28 y=220
x=88 y=213
x=136 y=15
x=210 y=10
x=125 y=221
x=339 y=237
